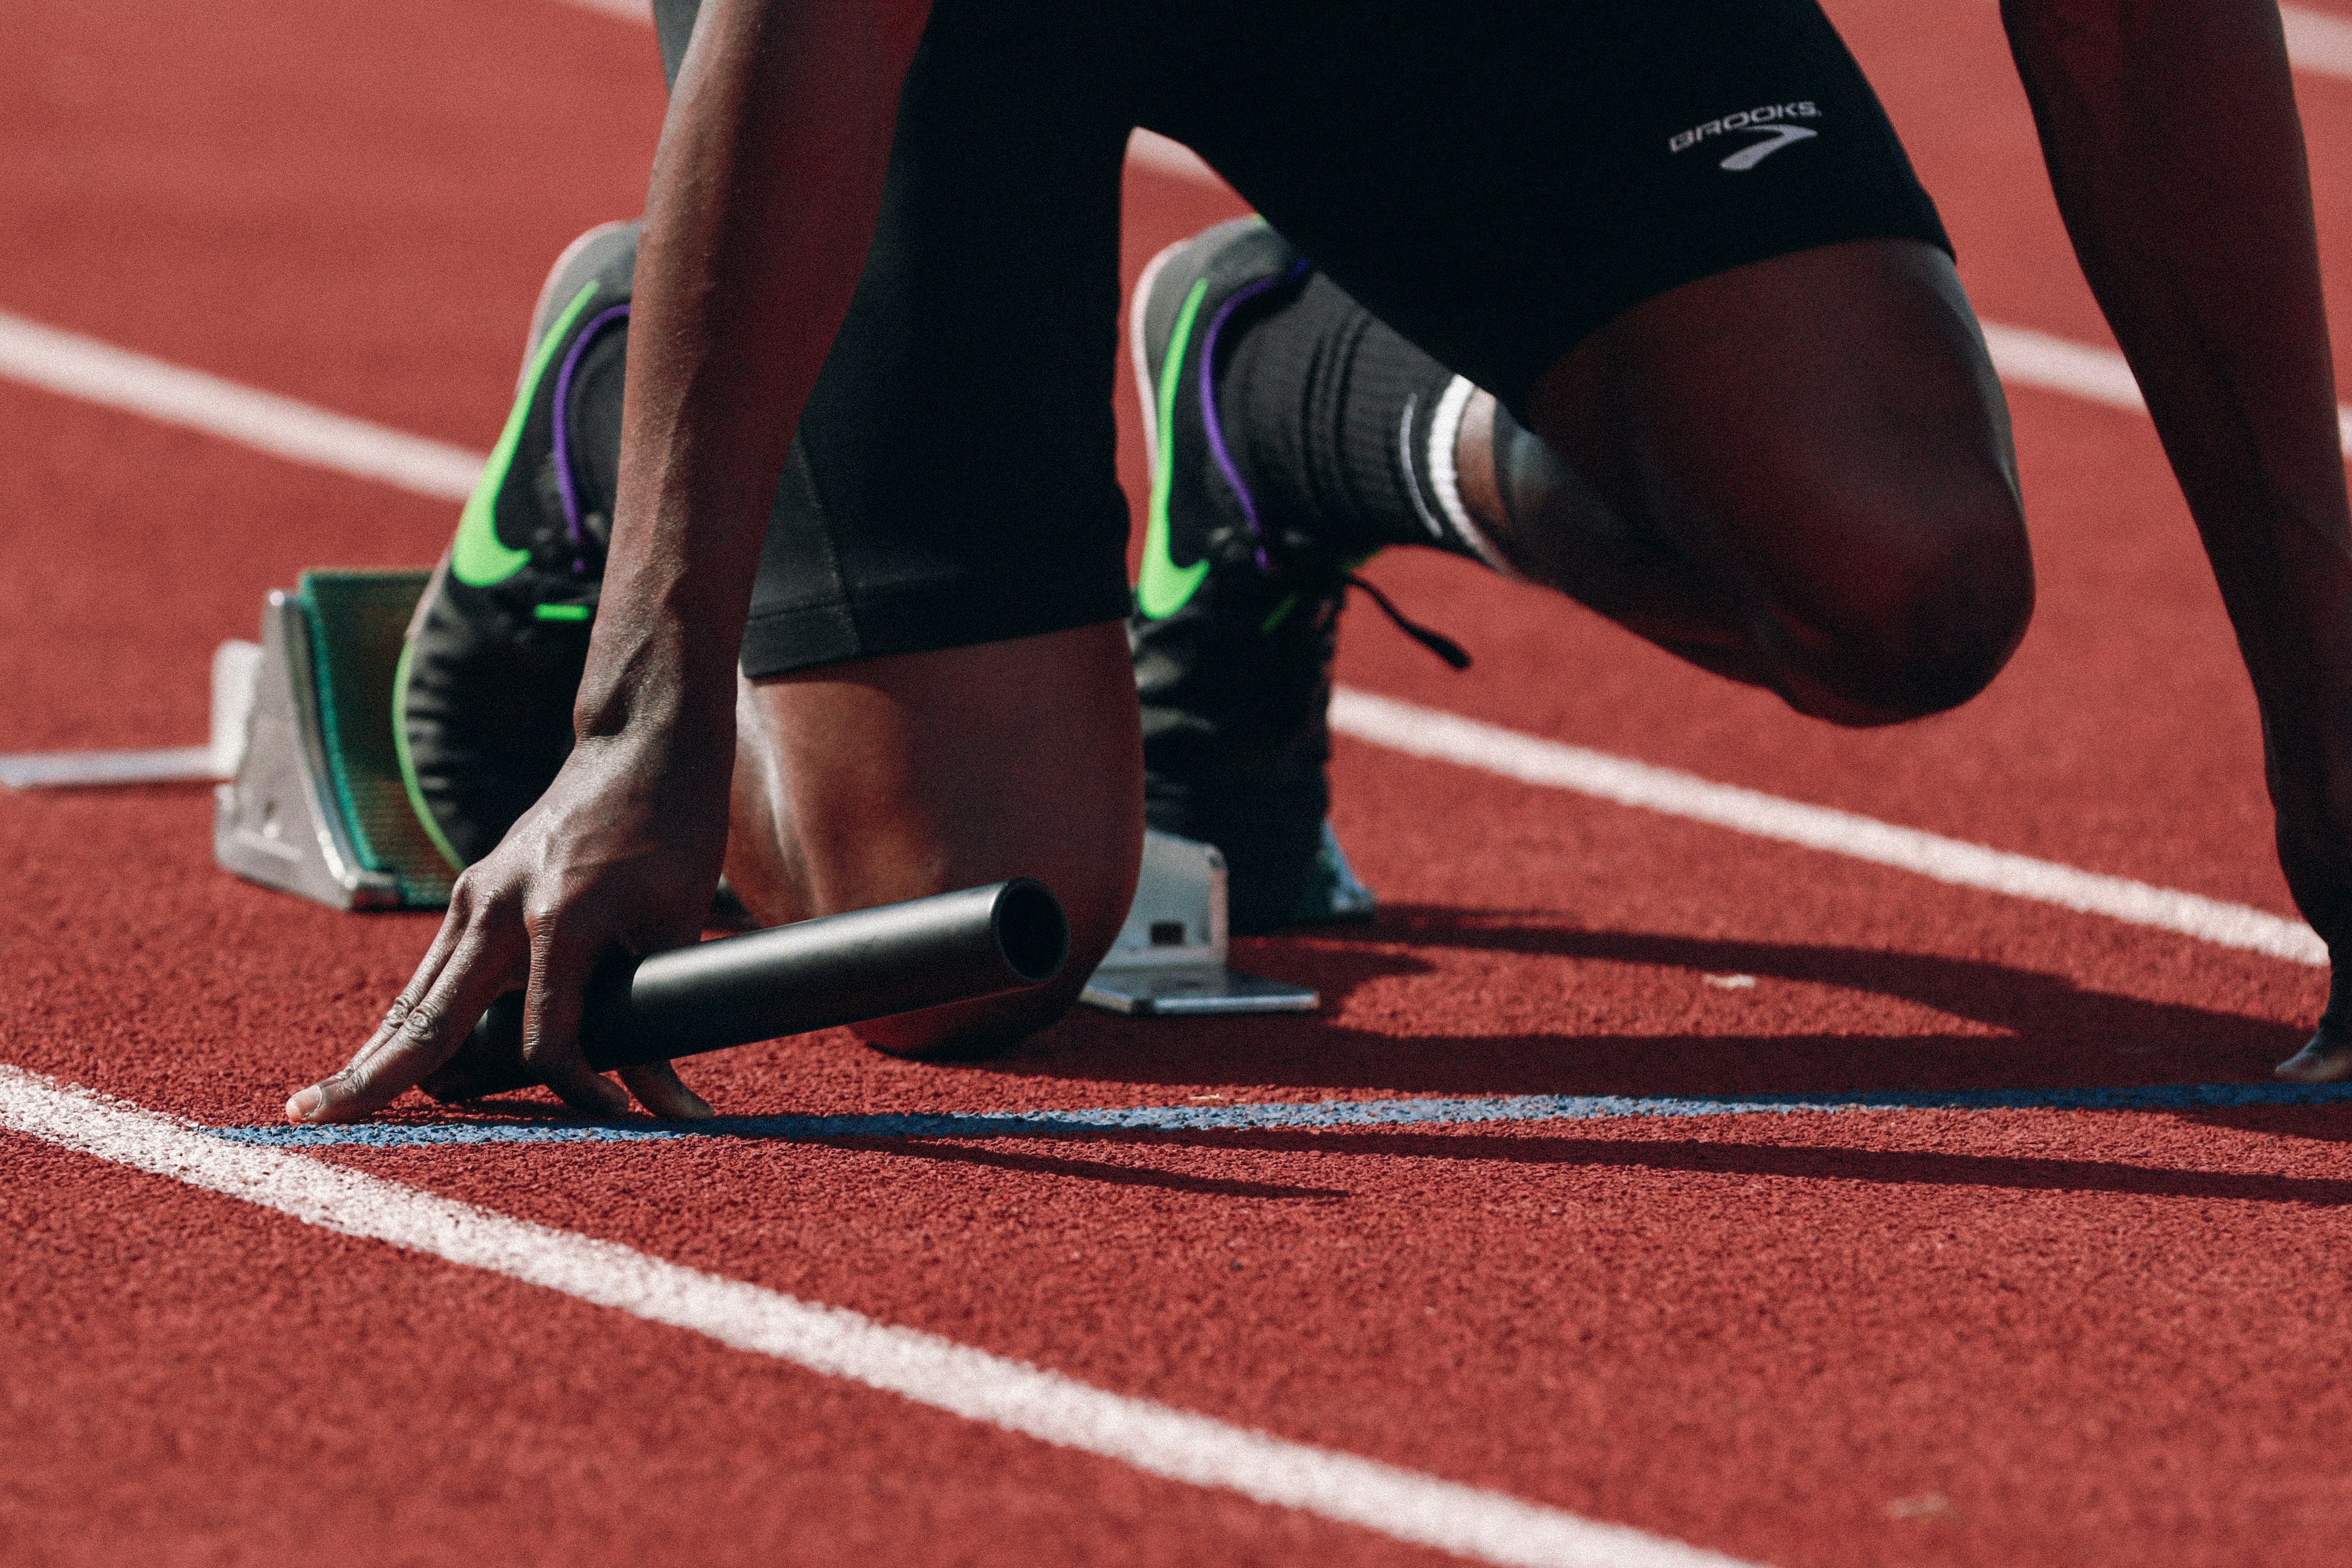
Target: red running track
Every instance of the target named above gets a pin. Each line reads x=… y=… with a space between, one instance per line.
x=1985 y=1337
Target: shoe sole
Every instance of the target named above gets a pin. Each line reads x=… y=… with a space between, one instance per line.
x=1145 y=392
x=551 y=300
x=1147 y=389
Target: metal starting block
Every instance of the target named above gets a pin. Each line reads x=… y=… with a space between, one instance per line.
x=1169 y=957
x=316 y=806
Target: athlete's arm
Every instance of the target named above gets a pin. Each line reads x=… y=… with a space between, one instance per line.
x=763 y=201
x=2171 y=132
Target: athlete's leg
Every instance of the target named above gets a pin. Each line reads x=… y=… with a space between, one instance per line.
x=1680 y=241
x=879 y=780
x=936 y=690
x=886 y=779
x=1796 y=473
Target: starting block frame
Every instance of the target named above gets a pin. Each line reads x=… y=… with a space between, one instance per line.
x=315 y=804
x=1170 y=959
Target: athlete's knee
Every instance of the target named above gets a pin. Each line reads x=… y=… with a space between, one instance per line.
x=966 y=1030
x=1922 y=624
x=1095 y=892
x=973 y=1030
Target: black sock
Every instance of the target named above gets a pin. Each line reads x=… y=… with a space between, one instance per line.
x=1330 y=413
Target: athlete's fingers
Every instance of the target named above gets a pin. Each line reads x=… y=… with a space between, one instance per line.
x=465 y=916
x=423 y=1035
x=462 y=1077
x=552 y=1003
x=306 y=1104
x=660 y=1090
x=452 y=926
x=481 y=1070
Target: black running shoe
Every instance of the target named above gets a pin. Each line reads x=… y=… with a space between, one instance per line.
x=1237 y=611
x=482 y=702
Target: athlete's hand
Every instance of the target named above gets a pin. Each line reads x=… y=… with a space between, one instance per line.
x=622 y=853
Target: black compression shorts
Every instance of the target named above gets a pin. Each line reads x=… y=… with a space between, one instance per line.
x=1493 y=178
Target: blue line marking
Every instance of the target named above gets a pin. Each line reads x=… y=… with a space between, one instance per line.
x=1286 y=1116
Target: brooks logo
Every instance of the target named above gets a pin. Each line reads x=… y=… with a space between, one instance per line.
x=1773 y=119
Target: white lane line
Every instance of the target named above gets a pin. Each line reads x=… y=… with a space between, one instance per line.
x=76 y=366
x=1165 y=155
x=626 y=10
x=1449 y=738
x=2318 y=42
x=2025 y=357
x=1156 y=1438
x=84 y=770
x=82 y=367
x=236 y=667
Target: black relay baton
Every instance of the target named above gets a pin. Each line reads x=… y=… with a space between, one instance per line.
x=788 y=979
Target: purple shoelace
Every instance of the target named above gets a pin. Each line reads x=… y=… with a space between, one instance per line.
x=1216 y=426
x=572 y=528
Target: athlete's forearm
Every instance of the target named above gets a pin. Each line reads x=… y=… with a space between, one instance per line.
x=762 y=203
x=2170 y=130
x=2171 y=134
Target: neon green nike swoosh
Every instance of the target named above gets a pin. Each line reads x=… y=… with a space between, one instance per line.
x=478 y=559
x=1165 y=587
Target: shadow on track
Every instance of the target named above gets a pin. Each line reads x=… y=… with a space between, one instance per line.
x=2034 y=1030
x=1086 y=1170
x=2278 y=1121
x=1802 y=1161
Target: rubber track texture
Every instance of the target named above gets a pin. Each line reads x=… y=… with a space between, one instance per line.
x=1999 y=1336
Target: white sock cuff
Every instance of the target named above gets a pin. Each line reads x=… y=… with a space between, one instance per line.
x=1444 y=430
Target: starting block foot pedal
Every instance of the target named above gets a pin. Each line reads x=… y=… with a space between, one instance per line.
x=317 y=805
x=1170 y=959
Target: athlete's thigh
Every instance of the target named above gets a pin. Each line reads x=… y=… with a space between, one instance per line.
x=1679 y=240
x=935 y=685
x=1496 y=179
x=955 y=479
